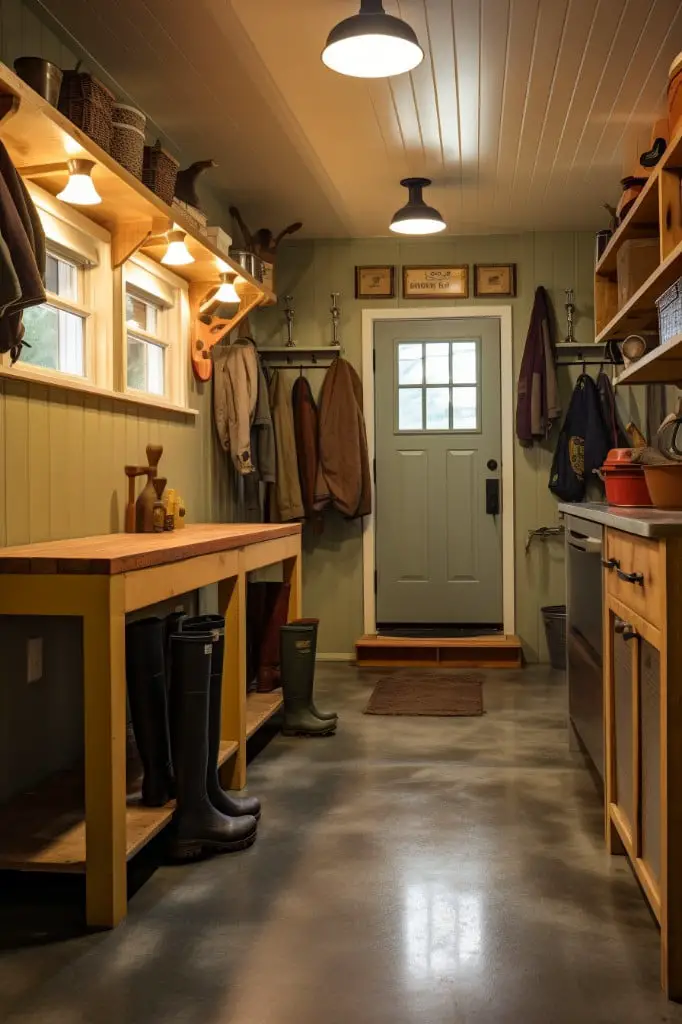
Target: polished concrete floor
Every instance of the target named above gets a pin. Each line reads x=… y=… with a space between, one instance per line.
x=440 y=871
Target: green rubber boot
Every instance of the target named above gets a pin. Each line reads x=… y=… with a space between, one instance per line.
x=298 y=673
x=324 y=716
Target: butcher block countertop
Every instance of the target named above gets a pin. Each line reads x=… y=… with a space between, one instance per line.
x=111 y=554
x=643 y=522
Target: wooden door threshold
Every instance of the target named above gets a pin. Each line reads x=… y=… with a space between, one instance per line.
x=499 y=651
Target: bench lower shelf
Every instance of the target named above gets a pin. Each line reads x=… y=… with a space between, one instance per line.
x=498 y=651
x=44 y=829
x=260 y=707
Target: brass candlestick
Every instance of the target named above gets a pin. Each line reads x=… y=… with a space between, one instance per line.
x=289 y=313
x=336 y=317
x=570 y=310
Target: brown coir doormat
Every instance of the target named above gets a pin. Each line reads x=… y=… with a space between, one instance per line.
x=440 y=696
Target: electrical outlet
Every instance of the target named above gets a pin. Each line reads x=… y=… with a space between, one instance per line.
x=34 y=659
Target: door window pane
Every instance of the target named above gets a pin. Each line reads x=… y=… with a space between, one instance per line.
x=465 y=408
x=437 y=363
x=437 y=408
x=410 y=365
x=464 y=369
x=54 y=339
x=410 y=409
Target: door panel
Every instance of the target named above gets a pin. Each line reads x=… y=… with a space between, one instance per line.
x=437 y=403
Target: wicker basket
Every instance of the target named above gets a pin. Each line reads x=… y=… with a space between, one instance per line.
x=125 y=114
x=127 y=147
x=88 y=104
x=159 y=171
x=669 y=307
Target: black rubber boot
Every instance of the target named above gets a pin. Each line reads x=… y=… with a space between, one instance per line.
x=199 y=827
x=324 y=716
x=298 y=673
x=147 y=696
x=233 y=806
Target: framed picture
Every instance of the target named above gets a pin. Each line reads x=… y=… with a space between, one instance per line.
x=436 y=282
x=375 y=282
x=495 y=279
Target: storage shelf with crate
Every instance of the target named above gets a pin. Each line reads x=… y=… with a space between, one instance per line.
x=643 y=262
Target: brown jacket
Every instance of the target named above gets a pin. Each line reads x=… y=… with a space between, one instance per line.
x=306 y=428
x=538 y=403
x=288 y=503
x=343 y=476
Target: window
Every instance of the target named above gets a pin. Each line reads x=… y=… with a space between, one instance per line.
x=156 y=316
x=438 y=386
x=55 y=331
x=145 y=349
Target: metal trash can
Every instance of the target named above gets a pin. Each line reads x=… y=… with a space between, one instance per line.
x=554 y=616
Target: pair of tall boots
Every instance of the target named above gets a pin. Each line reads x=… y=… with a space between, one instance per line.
x=298 y=649
x=177 y=730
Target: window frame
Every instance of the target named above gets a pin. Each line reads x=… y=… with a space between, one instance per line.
x=451 y=386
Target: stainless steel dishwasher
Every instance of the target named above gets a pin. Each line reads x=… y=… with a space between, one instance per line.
x=584 y=635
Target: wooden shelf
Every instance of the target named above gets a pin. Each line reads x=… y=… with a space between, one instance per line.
x=662 y=365
x=497 y=651
x=37 y=135
x=640 y=314
x=260 y=707
x=44 y=830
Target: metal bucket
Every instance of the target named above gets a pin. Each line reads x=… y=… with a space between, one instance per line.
x=42 y=75
x=251 y=263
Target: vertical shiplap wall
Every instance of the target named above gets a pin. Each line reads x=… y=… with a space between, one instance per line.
x=310 y=271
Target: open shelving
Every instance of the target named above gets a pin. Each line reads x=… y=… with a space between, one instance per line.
x=260 y=707
x=657 y=213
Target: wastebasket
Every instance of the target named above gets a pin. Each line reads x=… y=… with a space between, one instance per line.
x=554 y=616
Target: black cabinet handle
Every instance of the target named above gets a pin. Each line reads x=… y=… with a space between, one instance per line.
x=610 y=563
x=629 y=632
x=631 y=577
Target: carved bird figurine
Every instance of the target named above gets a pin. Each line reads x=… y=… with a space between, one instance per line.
x=185 y=186
x=263 y=243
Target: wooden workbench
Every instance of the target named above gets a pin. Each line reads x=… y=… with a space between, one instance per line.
x=100 y=579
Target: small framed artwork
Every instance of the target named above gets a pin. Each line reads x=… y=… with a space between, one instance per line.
x=497 y=280
x=375 y=282
x=436 y=282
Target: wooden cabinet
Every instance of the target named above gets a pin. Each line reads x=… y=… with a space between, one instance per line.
x=643 y=725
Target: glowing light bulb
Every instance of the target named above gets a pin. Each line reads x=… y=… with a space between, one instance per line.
x=80 y=189
x=227 y=291
x=177 y=254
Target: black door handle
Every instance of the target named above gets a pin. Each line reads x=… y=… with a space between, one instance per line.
x=631 y=577
x=492 y=497
x=610 y=563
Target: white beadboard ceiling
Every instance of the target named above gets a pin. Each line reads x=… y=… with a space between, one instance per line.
x=524 y=112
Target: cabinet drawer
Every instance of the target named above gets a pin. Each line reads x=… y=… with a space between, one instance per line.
x=644 y=560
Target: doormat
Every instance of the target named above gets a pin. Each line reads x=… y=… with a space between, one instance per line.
x=416 y=693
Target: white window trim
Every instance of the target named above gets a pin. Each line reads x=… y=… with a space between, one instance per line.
x=147 y=278
x=103 y=303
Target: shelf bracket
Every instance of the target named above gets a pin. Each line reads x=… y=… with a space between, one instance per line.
x=9 y=105
x=126 y=239
x=206 y=336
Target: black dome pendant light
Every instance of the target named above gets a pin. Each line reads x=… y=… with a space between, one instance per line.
x=416 y=218
x=372 y=44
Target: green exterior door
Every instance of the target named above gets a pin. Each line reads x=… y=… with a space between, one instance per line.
x=438 y=466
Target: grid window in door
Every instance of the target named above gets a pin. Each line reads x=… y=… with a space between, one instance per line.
x=438 y=386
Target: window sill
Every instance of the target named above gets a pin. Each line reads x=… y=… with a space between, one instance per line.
x=72 y=384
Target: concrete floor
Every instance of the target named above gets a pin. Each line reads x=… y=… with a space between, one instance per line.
x=408 y=870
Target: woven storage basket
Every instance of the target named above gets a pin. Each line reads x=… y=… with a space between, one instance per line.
x=125 y=114
x=669 y=307
x=127 y=147
x=88 y=104
x=159 y=171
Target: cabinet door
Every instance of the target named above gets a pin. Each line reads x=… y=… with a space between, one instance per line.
x=622 y=695
x=649 y=673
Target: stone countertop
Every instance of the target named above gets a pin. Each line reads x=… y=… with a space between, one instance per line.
x=643 y=522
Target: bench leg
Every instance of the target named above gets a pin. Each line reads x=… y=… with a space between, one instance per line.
x=232 y=604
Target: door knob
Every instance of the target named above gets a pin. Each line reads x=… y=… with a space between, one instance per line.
x=492 y=465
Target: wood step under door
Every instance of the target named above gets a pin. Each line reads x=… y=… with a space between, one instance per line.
x=499 y=651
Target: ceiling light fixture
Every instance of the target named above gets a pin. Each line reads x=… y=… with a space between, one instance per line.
x=80 y=189
x=224 y=302
x=177 y=254
x=372 y=44
x=416 y=218
x=227 y=291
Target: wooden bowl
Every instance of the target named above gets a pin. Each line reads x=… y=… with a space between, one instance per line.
x=665 y=485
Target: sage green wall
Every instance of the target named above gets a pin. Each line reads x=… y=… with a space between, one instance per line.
x=310 y=271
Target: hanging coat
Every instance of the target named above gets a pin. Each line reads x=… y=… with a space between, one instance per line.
x=609 y=410
x=343 y=478
x=306 y=430
x=538 y=403
x=288 y=503
x=583 y=443
x=235 y=394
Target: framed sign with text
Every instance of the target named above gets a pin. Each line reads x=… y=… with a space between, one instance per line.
x=443 y=282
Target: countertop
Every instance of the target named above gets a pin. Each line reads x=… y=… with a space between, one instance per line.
x=115 y=553
x=641 y=521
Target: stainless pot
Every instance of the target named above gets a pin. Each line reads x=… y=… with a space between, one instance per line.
x=251 y=263
x=42 y=75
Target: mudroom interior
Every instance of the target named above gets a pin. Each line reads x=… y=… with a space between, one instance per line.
x=340 y=511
